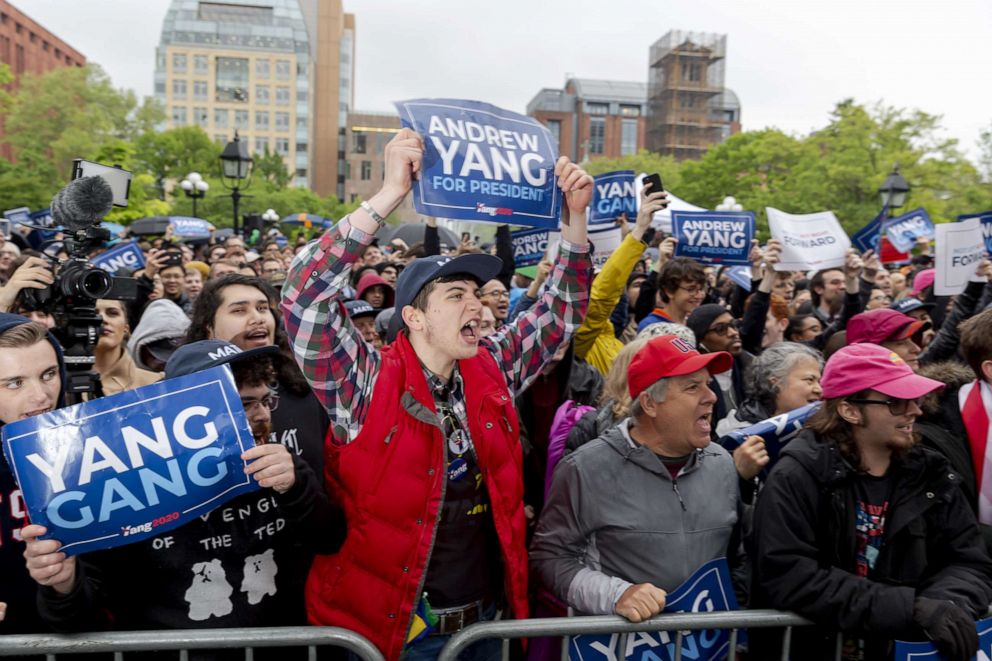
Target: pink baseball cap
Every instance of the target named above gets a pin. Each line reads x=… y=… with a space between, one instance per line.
x=865 y=366
x=923 y=280
x=882 y=325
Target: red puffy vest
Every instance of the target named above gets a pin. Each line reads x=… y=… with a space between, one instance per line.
x=389 y=481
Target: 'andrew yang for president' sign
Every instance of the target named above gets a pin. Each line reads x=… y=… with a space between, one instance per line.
x=483 y=163
x=127 y=467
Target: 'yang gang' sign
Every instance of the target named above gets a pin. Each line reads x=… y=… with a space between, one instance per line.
x=131 y=466
x=483 y=163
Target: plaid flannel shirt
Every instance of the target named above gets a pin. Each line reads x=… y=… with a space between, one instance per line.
x=342 y=368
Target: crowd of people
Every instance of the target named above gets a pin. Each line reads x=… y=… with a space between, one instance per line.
x=444 y=439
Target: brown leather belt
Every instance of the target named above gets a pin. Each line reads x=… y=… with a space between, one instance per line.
x=454 y=620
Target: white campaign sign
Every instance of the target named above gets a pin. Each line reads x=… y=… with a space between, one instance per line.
x=810 y=241
x=605 y=242
x=959 y=248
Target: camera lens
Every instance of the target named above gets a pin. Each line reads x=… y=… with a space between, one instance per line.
x=81 y=280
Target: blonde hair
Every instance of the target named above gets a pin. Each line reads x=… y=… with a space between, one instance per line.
x=23 y=335
x=615 y=392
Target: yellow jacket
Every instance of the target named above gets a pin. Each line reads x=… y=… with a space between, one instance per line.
x=595 y=341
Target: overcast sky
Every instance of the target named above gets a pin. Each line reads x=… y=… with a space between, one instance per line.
x=790 y=61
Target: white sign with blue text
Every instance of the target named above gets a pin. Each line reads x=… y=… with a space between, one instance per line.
x=714 y=237
x=928 y=651
x=483 y=163
x=127 y=467
x=986 y=220
x=126 y=257
x=614 y=193
x=810 y=241
x=708 y=589
x=958 y=250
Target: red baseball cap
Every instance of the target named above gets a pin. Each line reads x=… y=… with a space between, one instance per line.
x=882 y=325
x=865 y=366
x=670 y=355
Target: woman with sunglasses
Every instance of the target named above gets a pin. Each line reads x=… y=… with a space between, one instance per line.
x=864 y=531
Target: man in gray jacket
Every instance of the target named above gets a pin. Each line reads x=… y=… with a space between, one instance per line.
x=632 y=514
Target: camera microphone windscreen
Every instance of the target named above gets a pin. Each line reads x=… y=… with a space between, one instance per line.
x=83 y=203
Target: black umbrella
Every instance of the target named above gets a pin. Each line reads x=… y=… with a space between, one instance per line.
x=412 y=233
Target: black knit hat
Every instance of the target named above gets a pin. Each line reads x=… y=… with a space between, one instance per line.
x=702 y=317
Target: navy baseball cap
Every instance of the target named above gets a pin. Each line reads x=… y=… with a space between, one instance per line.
x=202 y=355
x=480 y=267
x=360 y=309
x=907 y=305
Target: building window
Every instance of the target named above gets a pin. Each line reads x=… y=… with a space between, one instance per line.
x=628 y=137
x=262 y=69
x=301 y=121
x=353 y=198
x=240 y=119
x=359 y=143
x=597 y=135
x=282 y=121
x=200 y=90
x=261 y=145
x=282 y=69
x=630 y=111
x=178 y=116
x=366 y=170
x=179 y=63
x=200 y=116
x=687 y=101
x=232 y=79
x=282 y=146
x=597 y=108
x=220 y=118
x=179 y=89
x=691 y=71
x=301 y=147
x=261 y=120
x=262 y=94
x=201 y=64
x=220 y=137
x=554 y=126
x=282 y=96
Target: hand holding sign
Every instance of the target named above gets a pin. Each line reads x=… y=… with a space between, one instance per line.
x=576 y=184
x=271 y=465
x=46 y=564
x=750 y=457
x=641 y=602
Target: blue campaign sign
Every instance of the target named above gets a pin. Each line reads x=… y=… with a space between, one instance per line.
x=189 y=227
x=133 y=465
x=613 y=194
x=775 y=432
x=905 y=229
x=483 y=163
x=529 y=246
x=708 y=589
x=986 y=227
x=126 y=256
x=740 y=275
x=928 y=651
x=867 y=237
x=714 y=237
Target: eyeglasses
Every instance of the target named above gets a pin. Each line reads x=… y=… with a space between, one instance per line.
x=896 y=406
x=724 y=328
x=270 y=401
x=496 y=293
x=694 y=291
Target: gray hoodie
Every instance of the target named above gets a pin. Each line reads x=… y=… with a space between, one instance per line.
x=162 y=319
x=615 y=518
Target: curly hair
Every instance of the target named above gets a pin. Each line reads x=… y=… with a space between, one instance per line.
x=205 y=309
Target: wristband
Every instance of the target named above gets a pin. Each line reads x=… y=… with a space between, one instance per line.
x=372 y=212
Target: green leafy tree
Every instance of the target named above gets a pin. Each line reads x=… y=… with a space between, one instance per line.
x=643 y=161
x=271 y=168
x=174 y=153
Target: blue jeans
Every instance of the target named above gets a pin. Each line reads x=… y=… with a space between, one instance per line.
x=427 y=649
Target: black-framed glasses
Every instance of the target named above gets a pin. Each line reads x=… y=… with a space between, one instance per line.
x=896 y=406
x=270 y=401
x=724 y=328
x=497 y=294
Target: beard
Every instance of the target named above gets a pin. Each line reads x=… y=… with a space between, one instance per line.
x=260 y=431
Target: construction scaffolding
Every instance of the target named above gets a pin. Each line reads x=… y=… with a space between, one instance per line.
x=689 y=107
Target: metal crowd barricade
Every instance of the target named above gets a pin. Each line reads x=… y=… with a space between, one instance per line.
x=189 y=639
x=610 y=624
